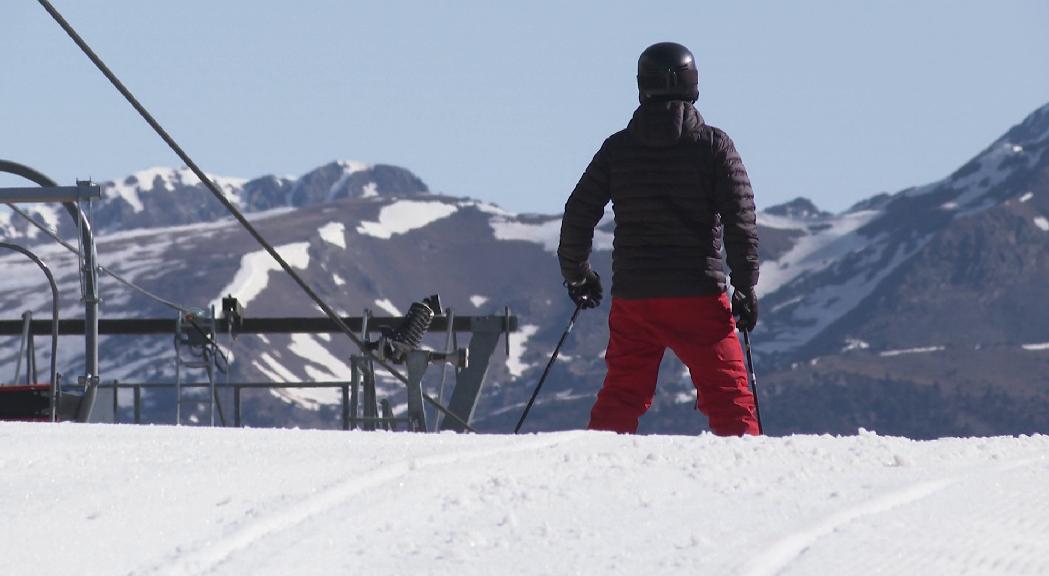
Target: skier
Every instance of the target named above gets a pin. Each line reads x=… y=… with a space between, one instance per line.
x=677 y=186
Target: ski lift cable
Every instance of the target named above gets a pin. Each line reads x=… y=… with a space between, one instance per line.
x=185 y=311
x=101 y=268
x=187 y=314
x=214 y=189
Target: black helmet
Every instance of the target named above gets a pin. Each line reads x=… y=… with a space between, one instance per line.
x=667 y=71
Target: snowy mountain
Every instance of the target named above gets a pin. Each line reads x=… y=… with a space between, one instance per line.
x=918 y=312
x=927 y=305
x=937 y=232
x=269 y=502
x=158 y=197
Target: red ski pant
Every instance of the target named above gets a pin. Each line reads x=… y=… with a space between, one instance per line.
x=702 y=333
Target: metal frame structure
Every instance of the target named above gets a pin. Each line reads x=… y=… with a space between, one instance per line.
x=70 y=197
x=196 y=332
x=27 y=352
x=360 y=405
x=230 y=207
x=27 y=347
x=470 y=376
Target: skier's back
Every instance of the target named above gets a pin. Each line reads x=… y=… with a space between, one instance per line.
x=677 y=187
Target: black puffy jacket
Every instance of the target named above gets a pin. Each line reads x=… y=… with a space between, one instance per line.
x=677 y=186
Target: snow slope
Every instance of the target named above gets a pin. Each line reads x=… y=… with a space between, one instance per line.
x=145 y=181
x=404 y=216
x=547 y=232
x=160 y=500
x=255 y=269
x=815 y=251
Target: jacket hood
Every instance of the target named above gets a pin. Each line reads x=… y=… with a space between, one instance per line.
x=664 y=123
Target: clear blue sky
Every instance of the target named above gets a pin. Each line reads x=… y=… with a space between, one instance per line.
x=507 y=101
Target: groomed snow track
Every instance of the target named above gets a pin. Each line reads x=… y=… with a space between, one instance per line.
x=93 y=499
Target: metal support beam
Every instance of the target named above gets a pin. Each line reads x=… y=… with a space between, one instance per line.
x=469 y=381
x=310 y=325
x=138 y=403
x=364 y=372
x=345 y=407
x=83 y=191
x=355 y=390
x=417 y=362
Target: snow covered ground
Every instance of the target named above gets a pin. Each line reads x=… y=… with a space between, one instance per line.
x=160 y=500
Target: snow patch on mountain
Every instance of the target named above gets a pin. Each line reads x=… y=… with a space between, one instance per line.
x=1036 y=347
x=388 y=306
x=321 y=366
x=816 y=251
x=274 y=369
x=855 y=344
x=1042 y=223
x=353 y=166
x=835 y=296
x=919 y=350
x=48 y=214
x=547 y=233
x=349 y=168
x=404 y=216
x=518 y=346
x=134 y=259
x=6 y=229
x=976 y=185
x=128 y=190
x=781 y=222
x=788 y=303
x=1026 y=197
x=485 y=207
x=370 y=190
x=334 y=233
x=304 y=346
x=307 y=347
x=13 y=226
x=132 y=362
x=147 y=180
x=989 y=173
x=255 y=268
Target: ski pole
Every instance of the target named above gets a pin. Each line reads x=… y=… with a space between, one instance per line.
x=557 y=350
x=753 y=379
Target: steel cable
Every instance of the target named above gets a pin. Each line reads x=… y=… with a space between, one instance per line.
x=101 y=268
x=328 y=311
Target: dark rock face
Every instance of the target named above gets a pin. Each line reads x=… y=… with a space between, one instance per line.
x=800 y=208
x=344 y=180
x=266 y=193
x=775 y=242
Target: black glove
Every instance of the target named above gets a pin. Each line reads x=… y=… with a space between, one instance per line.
x=745 y=307
x=587 y=292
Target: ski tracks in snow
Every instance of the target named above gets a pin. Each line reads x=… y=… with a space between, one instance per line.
x=207 y=556
x=781 y=554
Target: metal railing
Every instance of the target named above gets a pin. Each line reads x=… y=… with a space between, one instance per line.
x=350 y=419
